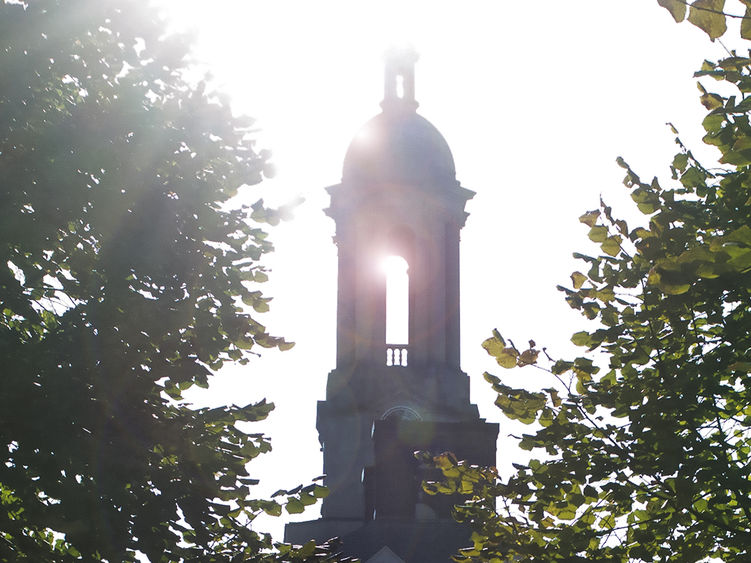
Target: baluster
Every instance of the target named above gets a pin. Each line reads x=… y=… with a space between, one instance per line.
x=396 y=355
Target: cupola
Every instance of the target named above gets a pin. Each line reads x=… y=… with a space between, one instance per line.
x=398 y=145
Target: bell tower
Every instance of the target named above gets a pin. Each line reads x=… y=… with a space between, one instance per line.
x=398 y=197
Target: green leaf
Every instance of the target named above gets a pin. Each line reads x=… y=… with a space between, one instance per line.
x=582 y=338
x=307 y=549
x=712 y=124
x=496 y=347
x=493 y=345
x=506 y=358
x=590 y=218
x=677 y=8
x=598 y=233
x=668 y=285
x=528 y=357
x=607 y=522
x=273 y=509
x=546 y=418
x=562 y=366
x=646 y=208
x=680 y=161
x=554 y=398
x=746 y=24
x=708 y=16
x=567 y=513
x=711 y=101
x=741 y=235
x=701 y=505
x=693 y=177
x=307 y=499
x=492 y=379
x=294 y=506
x=578 y=279
x=612 y=245
x=741 y=261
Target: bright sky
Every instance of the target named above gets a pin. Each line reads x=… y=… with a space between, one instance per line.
x=536 y=100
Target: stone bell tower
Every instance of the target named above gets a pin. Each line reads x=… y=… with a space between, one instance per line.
x=398 y=197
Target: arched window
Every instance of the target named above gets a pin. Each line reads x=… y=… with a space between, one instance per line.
x=397 y=300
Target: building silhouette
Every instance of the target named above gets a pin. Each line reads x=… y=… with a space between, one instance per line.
x=385 y=400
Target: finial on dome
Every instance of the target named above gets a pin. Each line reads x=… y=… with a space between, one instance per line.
x=399 y=79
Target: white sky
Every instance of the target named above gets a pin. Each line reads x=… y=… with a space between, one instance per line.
x=536 y=100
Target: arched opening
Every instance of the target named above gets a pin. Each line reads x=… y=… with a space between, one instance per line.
x=402 y=413
x=397 y=309
x=397 y=300
x=400 y=86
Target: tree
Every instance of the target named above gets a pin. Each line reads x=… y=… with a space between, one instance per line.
x=123 y=274
x=644 y=443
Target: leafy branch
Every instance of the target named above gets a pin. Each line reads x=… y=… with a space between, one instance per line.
x=649 y=459
x=708 y=15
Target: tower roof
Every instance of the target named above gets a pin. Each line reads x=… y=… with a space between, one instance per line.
x=398 y=145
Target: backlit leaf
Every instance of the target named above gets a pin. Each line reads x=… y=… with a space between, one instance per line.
x=711 y=101
x=494 y=345
x=294 y=506
x=746 y=24
x=680 y=161
x=708 y=16
x=506 y=358
x=590 y=218
x=598 y=233
x=578 y=279
x=581 y=338
x=528 y=357
x=742 y=235
x=677 y=8
x=612 y=245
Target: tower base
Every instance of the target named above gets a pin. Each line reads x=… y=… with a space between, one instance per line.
x=386 y=540
x=400 y=523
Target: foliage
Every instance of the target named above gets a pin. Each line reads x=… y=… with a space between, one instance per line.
x=648 y=458
x=123 y=274
x=710 y=15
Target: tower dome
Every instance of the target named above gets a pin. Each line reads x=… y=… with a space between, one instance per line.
x=398 y=145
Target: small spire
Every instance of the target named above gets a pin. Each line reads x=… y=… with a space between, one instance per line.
x=399 y=79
